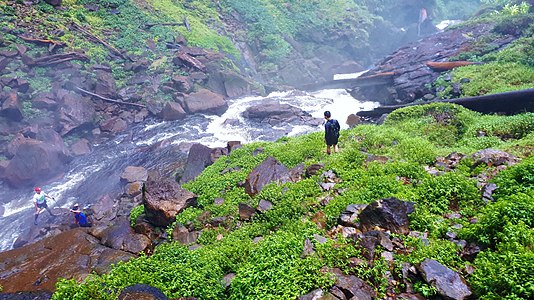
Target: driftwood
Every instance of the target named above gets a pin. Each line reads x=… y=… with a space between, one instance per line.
x=508 y=103
x=41 y=41
x=97 y=39
x=108 y=99
x=449 y=65
x=190 y=61
x=150 y=25
x=54 y=59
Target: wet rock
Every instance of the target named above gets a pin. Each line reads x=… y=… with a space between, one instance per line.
x=314 y=169
x=54 y=2
x=274 y=113
x=141 y=292
x=72 y=255
x=133 y=189
x=121 y=236
x=164 y=199
x=181 y=84
x=447 y=282
x=105 y=84
x=205 y=101
x=198 y=159
x=35 y=160
x=114 y=125
x=350 y=215
x=172 y=111
x=265 y=205
x=270 y=170
x=470 y=252
x=75 y=112
x=487 y=191
x=353 y=120
x=81 y=147
x=105 y=209
x=354 y=287
x=308 y=249
x=318 y=294
x=492 y=157
x=184 y=236
x=389 y=214
x=11 y=107
x=246 y=211
x=37 y=295
x=133 y=174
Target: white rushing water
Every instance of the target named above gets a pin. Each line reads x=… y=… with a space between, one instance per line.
x=156 y=145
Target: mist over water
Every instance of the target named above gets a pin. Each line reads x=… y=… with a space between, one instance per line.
x=158 y=145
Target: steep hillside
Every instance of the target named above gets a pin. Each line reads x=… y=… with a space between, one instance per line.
x=464 y=180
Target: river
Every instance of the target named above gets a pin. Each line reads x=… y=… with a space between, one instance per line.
x=98 y=173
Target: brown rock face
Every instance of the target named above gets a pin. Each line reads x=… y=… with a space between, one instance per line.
x=164 y=199
x=72 y=254
x=76 y=111
x=268 y=171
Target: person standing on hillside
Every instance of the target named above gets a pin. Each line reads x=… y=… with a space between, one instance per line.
x=39 y=200
x=331 y=132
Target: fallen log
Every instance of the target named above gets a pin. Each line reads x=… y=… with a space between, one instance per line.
x=54 y=59
x=41 y=41
x=507 y=102
x=449 y=65
x=150 y=25
x=108 y=99
x=97 y=39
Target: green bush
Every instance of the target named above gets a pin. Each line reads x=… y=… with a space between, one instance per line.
x=135 y=213
x=517 y=178
x=507 y=273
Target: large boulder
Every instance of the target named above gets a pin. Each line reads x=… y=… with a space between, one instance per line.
x=121 y=236
x=172 y=111
x=205 y=101
x=73 y=254
x=142 y=292
x=270 y=170
x=36 y=161
x=275 y=113
x=75 y=112
x=388 y=214
x=447 y=282
x=199 y=158
x=105 y=84
x=11 y=107
x=164 y=199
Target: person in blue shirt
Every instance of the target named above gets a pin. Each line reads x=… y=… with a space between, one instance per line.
x=79 y=217
x=331 y=132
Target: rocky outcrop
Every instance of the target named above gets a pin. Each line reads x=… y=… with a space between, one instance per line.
x=389 y=214
x=408 y=64
x=72 y=255
x=270 y=170
x=447 y=282
x=36 y=160
x=164 y=199
x=205 y=101
x=274 y=113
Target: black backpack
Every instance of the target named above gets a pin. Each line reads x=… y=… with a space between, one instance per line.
x=332 y=128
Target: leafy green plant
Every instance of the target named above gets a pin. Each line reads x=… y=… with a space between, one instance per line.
x=135 y=213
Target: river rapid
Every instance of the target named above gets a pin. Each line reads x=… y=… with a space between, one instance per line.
x=158 y=145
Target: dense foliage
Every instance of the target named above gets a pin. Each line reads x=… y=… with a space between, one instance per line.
x=265 y=253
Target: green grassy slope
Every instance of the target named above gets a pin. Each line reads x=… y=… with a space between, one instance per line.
x=411 y=139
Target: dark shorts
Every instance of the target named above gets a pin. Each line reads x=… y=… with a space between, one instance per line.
x=42 y=205
x=331 y=140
